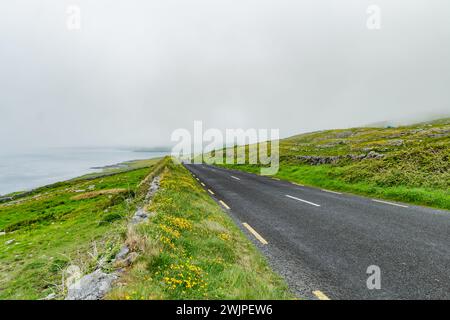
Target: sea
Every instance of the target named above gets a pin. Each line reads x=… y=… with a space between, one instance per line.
x=26 y=170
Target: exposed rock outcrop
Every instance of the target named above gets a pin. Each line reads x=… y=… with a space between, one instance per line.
x=396 y=143
x=374 y=155
x=92 y=286
x=139 y=216
x=318 y=160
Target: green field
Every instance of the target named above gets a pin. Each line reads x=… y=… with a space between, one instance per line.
x=55 y=226
x=409 y=163
x=84 y=222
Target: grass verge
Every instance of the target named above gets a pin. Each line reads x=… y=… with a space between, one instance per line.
x=191 y=249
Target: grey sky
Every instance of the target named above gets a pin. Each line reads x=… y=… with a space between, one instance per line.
x=139 y=69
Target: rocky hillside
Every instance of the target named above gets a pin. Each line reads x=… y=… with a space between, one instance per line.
x=414 y=156
x=407 y=163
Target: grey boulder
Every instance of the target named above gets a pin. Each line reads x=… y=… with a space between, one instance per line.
x=91 y=287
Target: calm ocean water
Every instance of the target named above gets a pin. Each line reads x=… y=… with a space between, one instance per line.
x=26 y=170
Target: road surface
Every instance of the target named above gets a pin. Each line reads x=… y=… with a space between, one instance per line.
x=327 y=245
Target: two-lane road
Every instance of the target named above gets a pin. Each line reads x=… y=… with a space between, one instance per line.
x=323 y=242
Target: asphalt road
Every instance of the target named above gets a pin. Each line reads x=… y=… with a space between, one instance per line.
x=323 y=243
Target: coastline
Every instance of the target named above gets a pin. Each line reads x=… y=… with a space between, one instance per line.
x=90 y=173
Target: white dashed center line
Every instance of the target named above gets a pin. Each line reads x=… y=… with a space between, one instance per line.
x=308 y=202
x=391 y=203
x=236 y=178
x=329 y=191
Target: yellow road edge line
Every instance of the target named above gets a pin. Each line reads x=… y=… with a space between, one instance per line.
x=209 y=190
x=297 y=184
x=320 y=295
x=276 y=179
x=256 y=234
x=224 y=204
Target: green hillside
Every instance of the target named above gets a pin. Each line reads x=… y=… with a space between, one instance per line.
x=84 y=222
x=408 y=163
x=75 y=222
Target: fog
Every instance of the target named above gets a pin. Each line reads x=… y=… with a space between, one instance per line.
x=137 y=70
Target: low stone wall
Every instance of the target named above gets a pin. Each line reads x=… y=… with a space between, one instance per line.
x=95 y=285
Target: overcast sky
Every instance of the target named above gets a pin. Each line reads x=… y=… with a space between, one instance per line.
x=138 y=69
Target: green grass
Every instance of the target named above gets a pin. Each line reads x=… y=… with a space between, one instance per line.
x=192 y=250
x=52 y=230
x=415 y=167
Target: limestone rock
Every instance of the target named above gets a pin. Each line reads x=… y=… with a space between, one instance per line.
x=91 y=287
x=122 y=253
x=139 y=216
